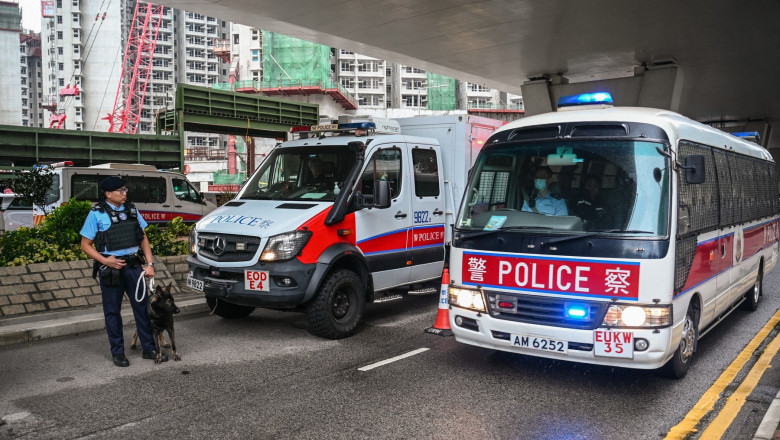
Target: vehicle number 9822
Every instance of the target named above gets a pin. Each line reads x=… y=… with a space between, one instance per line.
x=421 y=217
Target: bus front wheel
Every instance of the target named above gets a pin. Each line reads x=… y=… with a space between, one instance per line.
x=677 y=367
x=753 y=295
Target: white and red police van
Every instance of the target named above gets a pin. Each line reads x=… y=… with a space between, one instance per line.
x=665 y=226
x=343 y=215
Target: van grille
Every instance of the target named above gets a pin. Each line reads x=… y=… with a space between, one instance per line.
x=543 y=310
x=223 y=247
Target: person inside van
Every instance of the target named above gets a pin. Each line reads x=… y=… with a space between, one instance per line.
x=591 y=206
x=316 y=176
x=542 y=200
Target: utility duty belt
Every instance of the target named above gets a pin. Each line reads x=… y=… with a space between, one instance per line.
x=131 y=261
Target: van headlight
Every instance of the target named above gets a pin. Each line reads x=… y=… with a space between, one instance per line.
x=629 y=315
x=193 y=242
x=467 y=299
x=284 y=246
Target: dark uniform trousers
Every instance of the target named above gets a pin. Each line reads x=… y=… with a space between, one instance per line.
x=112 y=301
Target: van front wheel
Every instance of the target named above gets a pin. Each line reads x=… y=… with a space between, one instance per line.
x=338 y=307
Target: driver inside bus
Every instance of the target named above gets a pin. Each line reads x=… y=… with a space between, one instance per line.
x=316 y=177
x=542 y=201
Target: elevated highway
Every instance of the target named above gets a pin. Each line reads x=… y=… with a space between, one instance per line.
x=714 y=61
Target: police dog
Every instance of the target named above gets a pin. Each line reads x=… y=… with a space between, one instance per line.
x=161 y=310
x=163 y=343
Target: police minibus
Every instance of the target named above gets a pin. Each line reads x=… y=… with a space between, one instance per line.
x=662 y=226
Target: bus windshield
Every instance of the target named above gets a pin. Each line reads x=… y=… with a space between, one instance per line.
x=572 y=186
x=301 y=173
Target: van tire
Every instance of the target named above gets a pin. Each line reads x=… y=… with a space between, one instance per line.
x=227 y=310
x=677 y=367
x=338 y=307
x=754 y=294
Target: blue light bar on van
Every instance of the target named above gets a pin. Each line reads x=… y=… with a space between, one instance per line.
x=585 y=99
x=358 y=126
x=746 y=134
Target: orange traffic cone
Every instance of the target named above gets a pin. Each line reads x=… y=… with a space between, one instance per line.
x=442 y=325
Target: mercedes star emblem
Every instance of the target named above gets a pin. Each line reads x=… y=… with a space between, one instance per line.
x=219 y=246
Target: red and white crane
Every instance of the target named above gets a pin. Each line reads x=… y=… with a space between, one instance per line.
x=136 y=68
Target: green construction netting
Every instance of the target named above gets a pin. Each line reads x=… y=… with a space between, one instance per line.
x=288 y=61
x=441 y=92
x=10 y=17
x=222 y=177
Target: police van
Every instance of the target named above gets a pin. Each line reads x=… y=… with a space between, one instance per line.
x=159 y=195
x=667 y=226
x=346 y=214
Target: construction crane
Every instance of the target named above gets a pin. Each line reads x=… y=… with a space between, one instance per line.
x=136 y=68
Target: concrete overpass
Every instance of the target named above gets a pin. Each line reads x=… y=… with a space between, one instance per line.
x=715 y=61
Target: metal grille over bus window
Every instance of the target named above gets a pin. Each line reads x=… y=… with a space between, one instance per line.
x=543 y=310
x=685 y=251
x=727 y=202
x=225 y=247
x=700 y=200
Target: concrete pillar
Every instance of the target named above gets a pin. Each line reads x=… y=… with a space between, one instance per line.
x=536 y=97
x=661 y=87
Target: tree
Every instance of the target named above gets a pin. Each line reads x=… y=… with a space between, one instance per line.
x=32 y=186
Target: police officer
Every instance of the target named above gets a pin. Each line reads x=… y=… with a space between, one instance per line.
x=117 y=230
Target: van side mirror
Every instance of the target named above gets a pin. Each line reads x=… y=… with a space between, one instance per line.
x=381 y=194
x=694 y=169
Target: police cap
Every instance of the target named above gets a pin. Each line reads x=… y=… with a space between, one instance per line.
x=112 y=183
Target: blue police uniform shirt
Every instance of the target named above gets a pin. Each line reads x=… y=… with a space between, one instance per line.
x=100 y=221
x=548 y=205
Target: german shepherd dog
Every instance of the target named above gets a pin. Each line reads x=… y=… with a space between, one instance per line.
x=161 y=309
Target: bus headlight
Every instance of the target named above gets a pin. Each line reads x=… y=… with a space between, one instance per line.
x=628 y=315
x=284 y=246
x=467 y=299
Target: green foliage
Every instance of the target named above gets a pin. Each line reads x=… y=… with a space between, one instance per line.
x=170 y=240
x=32 y=245
x=65 y=222
x=32 y=186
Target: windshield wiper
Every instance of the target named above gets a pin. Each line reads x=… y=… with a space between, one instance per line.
x=568 y=238
x=257 y=197
x=626 y=231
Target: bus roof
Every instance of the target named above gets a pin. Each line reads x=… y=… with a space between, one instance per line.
x=675 y=125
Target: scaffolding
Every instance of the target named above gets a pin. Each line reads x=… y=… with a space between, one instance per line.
x=441 y=92
x=10 y=17
x=288 y=58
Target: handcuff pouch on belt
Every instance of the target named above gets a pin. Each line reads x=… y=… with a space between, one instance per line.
x=111 y=277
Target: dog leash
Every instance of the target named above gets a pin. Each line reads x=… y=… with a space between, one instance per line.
x=141 y=294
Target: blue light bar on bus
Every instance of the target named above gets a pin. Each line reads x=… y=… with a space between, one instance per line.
x=747 y=134
x=358 y=126
x=603 y=98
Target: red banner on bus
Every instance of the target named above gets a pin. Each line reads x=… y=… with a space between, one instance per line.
x=610 y=279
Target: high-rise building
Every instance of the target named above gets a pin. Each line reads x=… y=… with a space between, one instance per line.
x=11 y=83
x=32 y=79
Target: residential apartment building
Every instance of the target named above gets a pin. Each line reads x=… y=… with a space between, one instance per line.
x=11 y=66
x=32 y=79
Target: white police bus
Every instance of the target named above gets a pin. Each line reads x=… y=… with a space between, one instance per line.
x=682 y=229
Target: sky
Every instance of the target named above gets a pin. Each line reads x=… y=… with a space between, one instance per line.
x=31 y=14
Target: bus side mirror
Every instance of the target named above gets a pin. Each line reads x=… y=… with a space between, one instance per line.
x=694 y=169
x=381 y=194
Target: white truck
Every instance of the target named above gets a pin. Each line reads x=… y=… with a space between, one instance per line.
x=340 y=217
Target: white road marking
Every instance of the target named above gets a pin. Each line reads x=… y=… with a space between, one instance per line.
x=397 y=358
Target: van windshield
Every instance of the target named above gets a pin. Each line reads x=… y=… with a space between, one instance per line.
x=574 y=186
x=301 y=173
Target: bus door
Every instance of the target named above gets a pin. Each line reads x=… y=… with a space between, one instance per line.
x=426 y=240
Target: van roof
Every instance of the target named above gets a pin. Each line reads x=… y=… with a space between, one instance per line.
x=126 y=166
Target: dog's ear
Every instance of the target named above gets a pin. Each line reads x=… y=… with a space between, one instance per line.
x=168 y=288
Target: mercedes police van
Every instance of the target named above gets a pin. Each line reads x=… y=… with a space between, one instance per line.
x=344 y=215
